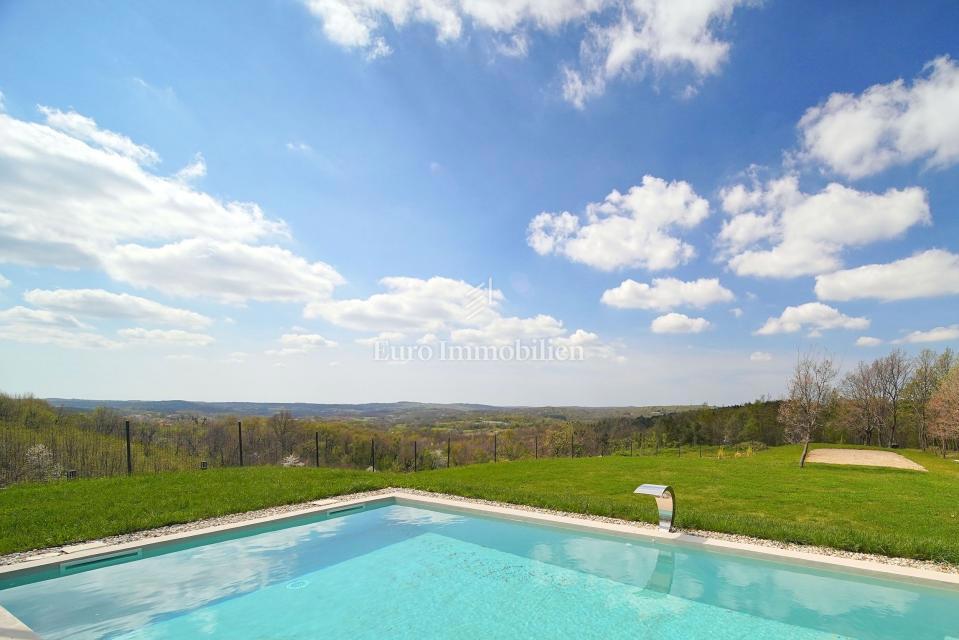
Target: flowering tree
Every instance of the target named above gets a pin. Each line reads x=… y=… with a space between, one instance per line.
x=944 y=411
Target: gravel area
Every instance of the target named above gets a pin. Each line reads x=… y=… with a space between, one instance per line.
x=863 y=457
x=251 y=515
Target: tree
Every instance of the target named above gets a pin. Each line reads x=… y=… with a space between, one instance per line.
x=861 y=401
x=925 y=380
x=944 y=411
x=893 y=373
x=810 y=397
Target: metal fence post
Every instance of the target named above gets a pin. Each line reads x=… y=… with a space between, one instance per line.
x=373 y=453
x=630 y=447
x=129 y=454
x=239 y=438
x=317 y=436
x=494 y=446
x=571 y=436
x=536 y=445
x=449 y=440
x=415 y=455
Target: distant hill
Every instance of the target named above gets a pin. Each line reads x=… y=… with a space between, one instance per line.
x=389 y=412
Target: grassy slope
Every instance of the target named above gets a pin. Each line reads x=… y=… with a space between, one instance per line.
x=876 y=510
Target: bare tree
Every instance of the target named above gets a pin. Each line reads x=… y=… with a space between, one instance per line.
x=284 y=428
x=862 y=409
x=893 y=373
x=944 y=411
x=811 y=395
x=925 y=380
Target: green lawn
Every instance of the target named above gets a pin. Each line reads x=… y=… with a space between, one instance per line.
x=903 y=513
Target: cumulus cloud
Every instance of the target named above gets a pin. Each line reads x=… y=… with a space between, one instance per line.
x=667 y=293
x=887 y=124
x=195 y=170
x=384 y=336
x=104 y=304
x=622 y=37
x=868 y=341
x=939 y=334
x=228 y=272
x=411 y=305
x=39 y=326
x=679 y=323
x=507 y=330
x=777 y=231
x=171 y=337
x=83 y=128
x=760 y=356
x=4 y=283
x=74 y=195
x=928 y=274
x=634 y=229
x=812 y=315
x=298 y=342
x=439 y=308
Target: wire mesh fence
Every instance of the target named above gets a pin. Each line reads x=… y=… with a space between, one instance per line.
x=60 y=450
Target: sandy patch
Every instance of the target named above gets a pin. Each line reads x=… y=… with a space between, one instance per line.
x=863 y=457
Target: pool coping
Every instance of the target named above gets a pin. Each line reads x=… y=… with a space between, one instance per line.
x=13 y=629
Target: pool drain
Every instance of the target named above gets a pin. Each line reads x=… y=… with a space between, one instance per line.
x=297 y=584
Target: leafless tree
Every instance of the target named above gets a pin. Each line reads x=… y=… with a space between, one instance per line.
x=893 y=373
x=811 y=395
x=925 y=380
x=862 y=409
x=284 y=427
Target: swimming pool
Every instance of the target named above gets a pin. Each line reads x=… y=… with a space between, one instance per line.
x=392 y=570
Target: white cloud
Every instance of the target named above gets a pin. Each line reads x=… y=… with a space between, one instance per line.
x=887 y=124
x=298 y=342
x=776 y=231
x=440 y=308
x=83 y=128
x=73 y=195
x=383 y=336
x=760 y=356
x=928 y=274
x=299 y=146
x=195 y=170
x=667 y=293
x=236 y=357
x=104 y=304
x=939 y=334
x=500 y=331
x=37 y=326
x=229 y=272
x=623 y=37
x=679 y=323
x=625 y=230
x=410 y=305
x=736 y=312
x=4 y=283
x=176 y=337
x=867 y=341
x=814 y=315
x=665 y=35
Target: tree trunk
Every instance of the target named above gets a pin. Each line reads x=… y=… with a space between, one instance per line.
x=805 y=450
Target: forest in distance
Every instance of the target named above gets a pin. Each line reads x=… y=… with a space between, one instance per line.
x=887 y=402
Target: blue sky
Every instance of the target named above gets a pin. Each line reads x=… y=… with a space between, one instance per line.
x=203 y=200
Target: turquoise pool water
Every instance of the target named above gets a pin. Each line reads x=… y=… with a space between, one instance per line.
x=404 y=572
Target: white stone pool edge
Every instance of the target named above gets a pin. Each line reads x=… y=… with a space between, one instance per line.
x=13 y=629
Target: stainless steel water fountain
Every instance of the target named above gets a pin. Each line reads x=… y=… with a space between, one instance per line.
x=665 y=502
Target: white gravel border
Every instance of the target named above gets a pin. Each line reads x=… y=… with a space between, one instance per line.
x=40 y=554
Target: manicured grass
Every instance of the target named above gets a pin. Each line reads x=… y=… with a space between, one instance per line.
x=892 y=512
